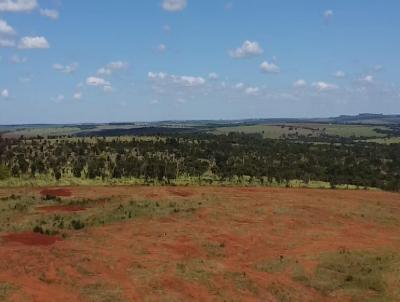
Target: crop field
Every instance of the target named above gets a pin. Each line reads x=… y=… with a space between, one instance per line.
x=140 y=243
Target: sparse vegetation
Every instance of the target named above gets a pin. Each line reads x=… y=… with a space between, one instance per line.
x=5 y=291
x=360 y=274
x=99 y=292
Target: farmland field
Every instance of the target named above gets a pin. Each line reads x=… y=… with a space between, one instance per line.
x=198 y=243
x=315 y=130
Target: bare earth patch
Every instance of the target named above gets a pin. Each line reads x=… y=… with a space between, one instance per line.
x=31 y=239
x=235 y=244
x=56 y=192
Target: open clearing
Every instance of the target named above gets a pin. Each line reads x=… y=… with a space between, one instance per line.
x=198 y=244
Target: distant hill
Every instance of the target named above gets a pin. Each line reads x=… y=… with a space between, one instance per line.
x=185 y=126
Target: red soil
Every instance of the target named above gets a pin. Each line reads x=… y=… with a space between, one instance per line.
x=211 y=255
x=56 y=192
x=32 y=239
x=55 y=209
x=181 y=193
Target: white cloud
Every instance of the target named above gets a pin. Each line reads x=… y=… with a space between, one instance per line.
x=99 y=82
x=239 y=86
x=323 y=86
x=6 y=43
x=328 y=14
x=67 y=69
x=16 y=59
x=252 y=90
x=340 y=74
x=59 y=98
x=111 y=67
x=5 y=94
x=162 y=47
x=50 y=13
x=104 y=71
x=300 y=83
x=17 y=5
x=213 y=76
x=269 y=67
x=174 y=5
x=95 y=81
x=6 y=29
x=108 y=88
x=25 y=80
x=248 y=49
x=186 y=81
x=77 y=96
x=368 y=79
x=118 y=65
x=156 y=75
x=33 y=43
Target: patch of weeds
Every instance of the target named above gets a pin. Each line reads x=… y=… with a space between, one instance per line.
x=275 y=266
x=282 y=293
x=299 y=275
x=100 y=292
x=378 y=213
x=195 y=270
x=6 y=290
x=358 y=273
x=242 y=281
x=21 y=207
x=14 y=197
x=215 y=249
x=51 y=198
x=110 y=212
x=83 y=271
x=41 y=230
x=281 y=210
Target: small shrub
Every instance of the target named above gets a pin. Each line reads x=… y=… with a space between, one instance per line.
x=38 y=229
x=77 y=224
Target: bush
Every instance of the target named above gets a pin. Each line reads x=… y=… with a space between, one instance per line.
x=38 y=229
x=77 y=224
x=4 y=172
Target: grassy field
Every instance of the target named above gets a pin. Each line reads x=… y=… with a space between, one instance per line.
x=44 y=181
x=43 y=131
x=389 y=140
x=314 y=130
x=272 y=131
x=198 y=244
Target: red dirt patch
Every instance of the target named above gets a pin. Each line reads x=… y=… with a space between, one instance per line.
x=56 y=192
x=181 y=193
x=212 y=254
x=31 y=239
x=55 y=209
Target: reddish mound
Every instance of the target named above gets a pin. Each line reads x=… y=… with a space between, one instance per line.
x=52 y=209
x=31 y=239
x=56 y=192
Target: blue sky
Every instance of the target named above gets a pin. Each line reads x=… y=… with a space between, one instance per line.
x=129 y=60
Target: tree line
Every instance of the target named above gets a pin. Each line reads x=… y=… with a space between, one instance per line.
x=223 y=157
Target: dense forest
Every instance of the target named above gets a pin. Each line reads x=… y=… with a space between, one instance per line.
x=204 y=156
